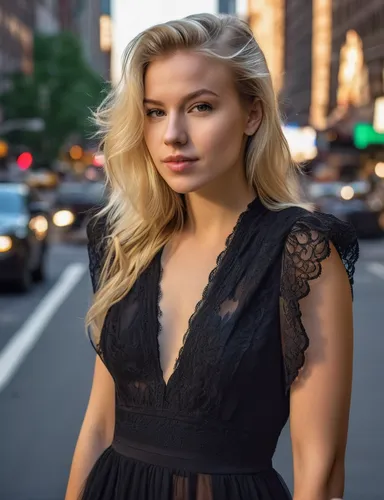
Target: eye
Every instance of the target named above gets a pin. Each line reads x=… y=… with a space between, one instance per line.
x=155 y=113
x=202 y=108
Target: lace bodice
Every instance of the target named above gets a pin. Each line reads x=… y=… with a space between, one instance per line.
x=245 y=344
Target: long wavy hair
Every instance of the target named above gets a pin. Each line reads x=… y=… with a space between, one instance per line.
x=143 y=212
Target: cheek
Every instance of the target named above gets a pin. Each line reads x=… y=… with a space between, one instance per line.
x=152 y=139
x=222 y=138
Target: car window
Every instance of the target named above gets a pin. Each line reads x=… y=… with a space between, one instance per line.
x=81 y=187
x=71 y=188
x=97 y=189
x=92 y=191
x=12 y=202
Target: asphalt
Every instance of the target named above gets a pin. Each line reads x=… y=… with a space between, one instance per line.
x=42 y=407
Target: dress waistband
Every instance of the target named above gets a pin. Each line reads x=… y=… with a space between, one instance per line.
x=181 y=460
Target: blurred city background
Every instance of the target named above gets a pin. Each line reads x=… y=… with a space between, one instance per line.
x=57 y=60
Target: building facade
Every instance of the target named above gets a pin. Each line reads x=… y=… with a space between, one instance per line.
x=47 y=19
x=17 y=21
x=296 y=95
x=87 y=16
x=334 y=60
x=267 y=21
x=308 y=52
x=357 y=67
x=87 y=19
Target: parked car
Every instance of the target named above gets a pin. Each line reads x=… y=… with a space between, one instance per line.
x=24 y=230
x=74 y=204
x=42 y=179
x=357 y=202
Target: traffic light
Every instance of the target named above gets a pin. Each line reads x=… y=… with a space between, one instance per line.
x=3 y=149
x=24 y=161
x=76 y=152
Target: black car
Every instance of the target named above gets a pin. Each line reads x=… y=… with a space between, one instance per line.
x=24 y=229
x=356 y=202
x=74 y=204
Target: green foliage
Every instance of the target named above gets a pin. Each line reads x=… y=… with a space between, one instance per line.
x=61 y=91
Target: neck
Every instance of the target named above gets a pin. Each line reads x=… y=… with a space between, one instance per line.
x=211 y=213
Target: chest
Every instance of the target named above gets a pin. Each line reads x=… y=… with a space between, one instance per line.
x=157 y=333
x=185 y=276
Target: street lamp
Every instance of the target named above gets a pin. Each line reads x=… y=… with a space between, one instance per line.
x=378 y=118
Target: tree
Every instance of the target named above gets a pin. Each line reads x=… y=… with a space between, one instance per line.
x=61 y=91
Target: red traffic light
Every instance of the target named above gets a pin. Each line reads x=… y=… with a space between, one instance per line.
x=24 y=161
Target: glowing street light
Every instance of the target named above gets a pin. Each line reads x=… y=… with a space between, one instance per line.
x=378 y=119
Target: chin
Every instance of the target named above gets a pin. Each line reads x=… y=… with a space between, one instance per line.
x=185 y=186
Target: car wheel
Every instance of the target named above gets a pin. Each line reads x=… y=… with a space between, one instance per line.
x=23 y=284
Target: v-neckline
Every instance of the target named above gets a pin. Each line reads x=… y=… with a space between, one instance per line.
x=220 y=258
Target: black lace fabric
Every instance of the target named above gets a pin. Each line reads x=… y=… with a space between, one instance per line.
x=96 y=233
x=307 y=246
x=210 y=432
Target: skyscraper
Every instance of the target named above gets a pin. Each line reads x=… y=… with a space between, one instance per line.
x=267 y=21
x=364 y=23
x=47 y=18
x=296 y=96
x=16 y=36
x=334 y=53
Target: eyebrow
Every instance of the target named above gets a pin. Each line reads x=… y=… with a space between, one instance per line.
x=188 y=97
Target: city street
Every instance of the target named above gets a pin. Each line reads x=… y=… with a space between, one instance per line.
x=42 y=400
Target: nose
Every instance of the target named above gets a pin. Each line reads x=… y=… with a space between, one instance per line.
x=176 y=131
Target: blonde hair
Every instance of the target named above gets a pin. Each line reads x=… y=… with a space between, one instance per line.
x=143 y=212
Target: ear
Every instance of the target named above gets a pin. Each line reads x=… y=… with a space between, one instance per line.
x=255 y=115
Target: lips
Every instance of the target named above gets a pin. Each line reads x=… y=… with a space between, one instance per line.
x=178 y=158
x=179 y=163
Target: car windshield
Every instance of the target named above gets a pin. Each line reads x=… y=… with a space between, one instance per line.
x=11 y=202
x=79 y=189
x=72 y=188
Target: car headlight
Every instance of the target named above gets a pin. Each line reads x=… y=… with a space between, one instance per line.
x=347 y=192
x=39 y=225
x=5 y=244
x=63 y=218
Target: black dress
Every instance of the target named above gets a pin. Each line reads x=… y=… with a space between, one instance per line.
x=210 y=433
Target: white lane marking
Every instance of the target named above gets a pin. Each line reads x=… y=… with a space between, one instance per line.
x=376 y=269
x=19 y=346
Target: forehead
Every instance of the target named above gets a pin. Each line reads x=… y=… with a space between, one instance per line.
x=183 y=72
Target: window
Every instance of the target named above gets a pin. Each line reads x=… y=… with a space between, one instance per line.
x=11 y=202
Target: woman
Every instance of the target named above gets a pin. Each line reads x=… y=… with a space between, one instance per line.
x=222 y=303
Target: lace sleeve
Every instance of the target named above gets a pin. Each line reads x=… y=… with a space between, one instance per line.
x=306 y=247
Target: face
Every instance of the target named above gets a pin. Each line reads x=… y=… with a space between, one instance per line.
x=196 y=124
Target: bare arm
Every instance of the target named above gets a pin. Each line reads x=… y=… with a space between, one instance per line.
x=96 y=432
x=320 y=396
